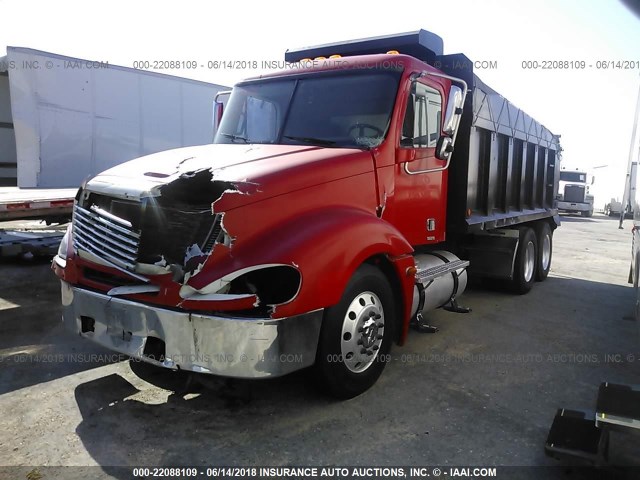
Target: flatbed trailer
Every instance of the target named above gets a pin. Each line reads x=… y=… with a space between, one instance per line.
x=50 y=205
x=22 y=203
x=37 y=240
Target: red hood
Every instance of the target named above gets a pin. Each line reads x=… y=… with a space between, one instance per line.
x=262 y=171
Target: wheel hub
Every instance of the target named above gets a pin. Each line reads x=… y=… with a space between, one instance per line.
x=369 y=332
x=529 y=261
x=546 y=252
x=362 y=332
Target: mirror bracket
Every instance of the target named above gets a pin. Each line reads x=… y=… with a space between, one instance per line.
x=444 y=149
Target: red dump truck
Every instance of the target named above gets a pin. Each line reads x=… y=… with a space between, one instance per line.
x=342 y=197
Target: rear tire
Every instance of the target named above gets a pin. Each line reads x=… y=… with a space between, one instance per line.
x=356 y=335
x=524 y=272
x=588 y=213
x=545 y=251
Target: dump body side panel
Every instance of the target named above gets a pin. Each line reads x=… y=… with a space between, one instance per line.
x=505 y=165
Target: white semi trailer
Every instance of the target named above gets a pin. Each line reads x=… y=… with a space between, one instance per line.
x=63 y=118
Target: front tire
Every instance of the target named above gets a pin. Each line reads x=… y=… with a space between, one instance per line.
x=545 y=251
x=524 y=272
x=356 y=335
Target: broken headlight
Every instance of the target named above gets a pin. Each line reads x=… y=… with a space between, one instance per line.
x=64 y=244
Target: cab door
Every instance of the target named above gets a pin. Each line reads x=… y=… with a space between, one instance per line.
x=420 y=176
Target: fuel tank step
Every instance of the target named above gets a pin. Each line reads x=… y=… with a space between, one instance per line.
x=440 y=279
x=429 y=274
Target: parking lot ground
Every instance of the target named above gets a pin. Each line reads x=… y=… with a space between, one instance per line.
x=481 y=391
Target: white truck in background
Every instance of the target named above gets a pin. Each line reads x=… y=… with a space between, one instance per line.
x=573 y=192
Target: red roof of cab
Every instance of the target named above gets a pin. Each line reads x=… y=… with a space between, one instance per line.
x=359 y=62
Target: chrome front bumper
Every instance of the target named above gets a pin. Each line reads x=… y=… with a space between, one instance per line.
x=232 y=347
x=575 y=207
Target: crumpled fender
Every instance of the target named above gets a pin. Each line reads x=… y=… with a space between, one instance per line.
x=326 y=245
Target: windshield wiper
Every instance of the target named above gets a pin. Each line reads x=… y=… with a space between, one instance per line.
x=319 y=141
x=234 y=137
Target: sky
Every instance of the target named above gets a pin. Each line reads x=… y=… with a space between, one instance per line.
x=591 y=108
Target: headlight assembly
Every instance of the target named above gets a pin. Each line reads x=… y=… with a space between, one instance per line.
x=61 y=257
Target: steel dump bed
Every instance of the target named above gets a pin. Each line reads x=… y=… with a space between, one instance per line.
x=505 y=165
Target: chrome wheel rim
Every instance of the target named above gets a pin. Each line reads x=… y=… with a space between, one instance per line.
x=362 y=332
x=529 y=261
x=546 y=252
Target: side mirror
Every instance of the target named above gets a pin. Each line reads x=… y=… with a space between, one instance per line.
x=593 y=180
x=444 y=147
x=218 y=109
x=454 y=110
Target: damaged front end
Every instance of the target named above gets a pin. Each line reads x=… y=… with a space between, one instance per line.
x=132 y=270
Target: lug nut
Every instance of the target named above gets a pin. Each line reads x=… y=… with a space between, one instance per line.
x=378 y=316
x=359 y=342
x=375 y=347
x=364 y=350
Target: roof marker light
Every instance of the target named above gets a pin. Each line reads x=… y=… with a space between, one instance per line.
x=393 y=52
x=320 y=58
x=336 y=56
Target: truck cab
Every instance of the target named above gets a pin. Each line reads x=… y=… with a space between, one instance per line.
x=574 y=194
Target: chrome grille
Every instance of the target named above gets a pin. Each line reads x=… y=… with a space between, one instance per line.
x=106 y=236
x=574 y=193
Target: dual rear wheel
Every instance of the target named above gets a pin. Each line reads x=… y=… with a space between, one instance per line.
x=533 y=256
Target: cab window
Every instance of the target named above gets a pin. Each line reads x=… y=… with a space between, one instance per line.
x=422 y=121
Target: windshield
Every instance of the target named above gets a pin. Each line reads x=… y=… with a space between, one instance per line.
x=343 y=109
x=573 y=177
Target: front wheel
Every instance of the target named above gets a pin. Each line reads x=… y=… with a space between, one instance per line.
x=524 y=271
x=356 y=335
